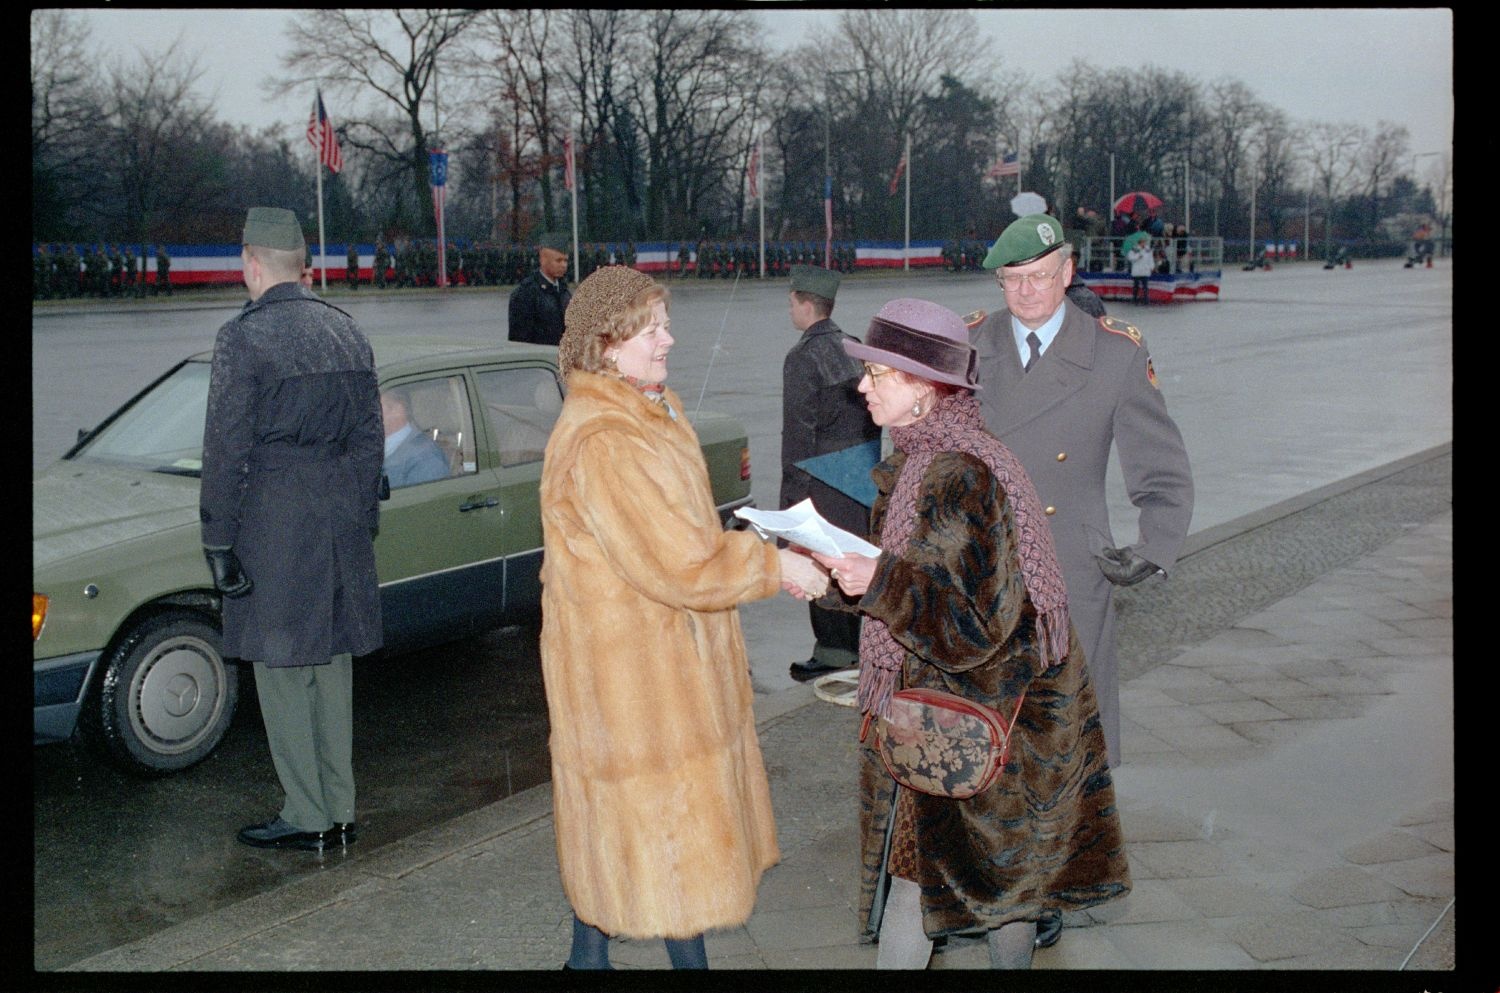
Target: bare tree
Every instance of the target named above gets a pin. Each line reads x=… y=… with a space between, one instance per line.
x=64 y=114
x=390 y=53
x=609 y=162
x=1331 y=151
x=1381 y=160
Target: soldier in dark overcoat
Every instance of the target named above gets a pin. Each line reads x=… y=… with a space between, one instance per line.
x=1092 y=387
x=289 y=502
x=538 y=301
x=822 y=412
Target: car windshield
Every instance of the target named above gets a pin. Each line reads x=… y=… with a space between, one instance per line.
x=161 y=430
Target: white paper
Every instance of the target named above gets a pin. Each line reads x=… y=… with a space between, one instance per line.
x=801 y=524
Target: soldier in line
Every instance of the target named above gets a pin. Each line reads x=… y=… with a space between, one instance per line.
x=127 y=272
x=140 y=275
x=382 y=262
x=163 y=271
x=116 y=272
x=41 y=274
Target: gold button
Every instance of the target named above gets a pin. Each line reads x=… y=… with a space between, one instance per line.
x=1050 y=511
x=1062 y=456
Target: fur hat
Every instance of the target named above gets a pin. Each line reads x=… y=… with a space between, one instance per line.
x=921 y=338
x=604 y=293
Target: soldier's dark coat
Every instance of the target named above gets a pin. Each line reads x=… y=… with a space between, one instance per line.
x=822 y=412
x=536 y=309
x=1046 y=834
x=1092 y=388
x=292 y=449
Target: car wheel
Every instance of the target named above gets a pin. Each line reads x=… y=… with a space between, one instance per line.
x=165 y=696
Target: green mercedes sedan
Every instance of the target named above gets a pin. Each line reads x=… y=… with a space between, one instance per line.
x=125 y=621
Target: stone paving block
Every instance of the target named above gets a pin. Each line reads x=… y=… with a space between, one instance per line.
x=1155 y=719
x=1232 y=896
x=1431 y=647
x=1388 y=846
x=1149 y=900
x=1426 y=627
x=1407 y=911
x=1144 y=824
x=1358 y=956
x=1347 y=685
x=1306 y=669
x=1244 y=710
x=1439 y=835
x=1403 y=937
x=1433 y=811
x=1344 y=886
x=847 y=956
x=1209 y=738
x=1207 y=693
x=1431 y=876
x=1135 y=742
x=1176 y=859
x=1176 y=945
x=1080 y=948
x=804 y=927
x=1323 y=707
x=1281 y=732
x=1168 y=676
x=1273 y=690
x=1133 y=695
x=1285 y=936
x=797 y=884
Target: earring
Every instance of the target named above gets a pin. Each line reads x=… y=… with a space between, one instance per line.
x=611 y=359
x=916 y=408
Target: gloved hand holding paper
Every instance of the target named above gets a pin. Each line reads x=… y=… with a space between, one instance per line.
x=801 y=524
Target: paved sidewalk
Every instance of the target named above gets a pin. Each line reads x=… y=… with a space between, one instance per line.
x=1287 y=798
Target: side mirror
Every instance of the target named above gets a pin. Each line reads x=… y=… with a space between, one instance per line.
x=385 y=486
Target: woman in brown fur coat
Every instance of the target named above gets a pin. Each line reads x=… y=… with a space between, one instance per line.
x=967 y=597
x=660 y=800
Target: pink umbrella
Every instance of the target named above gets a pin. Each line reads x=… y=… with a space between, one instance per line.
x=1130 y=203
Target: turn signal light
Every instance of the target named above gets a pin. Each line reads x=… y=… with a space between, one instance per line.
x=38 y=614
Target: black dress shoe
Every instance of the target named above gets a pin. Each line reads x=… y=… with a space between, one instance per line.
x=811 y=669
x=342 y=833
x=277 y=833
x=1049 y=928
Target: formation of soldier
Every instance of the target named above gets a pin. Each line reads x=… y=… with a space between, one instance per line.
x=60 y=272
x=723 y=260
x=964 y=255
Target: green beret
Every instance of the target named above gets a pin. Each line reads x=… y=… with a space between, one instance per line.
x=1025 y=240
x=273 y=227
x=555 y=240
x=816 y=280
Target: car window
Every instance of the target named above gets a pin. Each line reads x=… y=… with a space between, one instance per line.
x=521 y=404
x=429 y=433
x=162 y=429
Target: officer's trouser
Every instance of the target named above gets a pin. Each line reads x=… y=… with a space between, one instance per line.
x=309 y=716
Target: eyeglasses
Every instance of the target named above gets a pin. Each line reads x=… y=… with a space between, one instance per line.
x=876 y=371
x=1039 y=281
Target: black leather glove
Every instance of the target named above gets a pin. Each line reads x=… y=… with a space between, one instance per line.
x=1123 y=567
x=229 y=576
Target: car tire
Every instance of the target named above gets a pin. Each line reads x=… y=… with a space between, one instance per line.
x=164 y=698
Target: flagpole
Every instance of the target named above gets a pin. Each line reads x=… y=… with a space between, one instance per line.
x=906 y=249
x=572 y=167
x=318 y=168
x=760 y=196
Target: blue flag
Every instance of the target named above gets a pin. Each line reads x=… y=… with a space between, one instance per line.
x=847 y=470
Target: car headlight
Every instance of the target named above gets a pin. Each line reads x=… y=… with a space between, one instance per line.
x=38 y=614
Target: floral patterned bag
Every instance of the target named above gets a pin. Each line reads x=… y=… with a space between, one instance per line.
x=942 y=744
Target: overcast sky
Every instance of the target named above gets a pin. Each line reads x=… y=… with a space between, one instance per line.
x=1336 y=65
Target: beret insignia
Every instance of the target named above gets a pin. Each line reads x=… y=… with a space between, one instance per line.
x=1116 y=326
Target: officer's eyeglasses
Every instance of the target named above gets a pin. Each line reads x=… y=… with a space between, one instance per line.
x=876 y=371
x=1011 y=282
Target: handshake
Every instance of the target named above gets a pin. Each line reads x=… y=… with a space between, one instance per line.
x=805 y=574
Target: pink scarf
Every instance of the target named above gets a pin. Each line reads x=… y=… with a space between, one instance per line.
x=955 y=425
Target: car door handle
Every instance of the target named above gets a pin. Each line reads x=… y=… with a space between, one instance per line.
x=476 y=503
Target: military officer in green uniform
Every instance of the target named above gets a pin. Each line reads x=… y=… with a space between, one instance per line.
x=351 y=266
x=382 y=263
x=163 y=270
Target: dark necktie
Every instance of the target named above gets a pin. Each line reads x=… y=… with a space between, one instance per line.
x=1035 y=344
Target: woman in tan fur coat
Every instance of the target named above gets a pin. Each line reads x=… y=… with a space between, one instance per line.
x=662 y=809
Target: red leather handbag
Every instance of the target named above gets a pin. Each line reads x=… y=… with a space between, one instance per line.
x=941 y=744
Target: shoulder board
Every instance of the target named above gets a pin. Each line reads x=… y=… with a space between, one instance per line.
x=1116 y=326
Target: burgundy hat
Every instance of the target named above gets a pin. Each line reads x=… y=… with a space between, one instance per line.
x=922 y=338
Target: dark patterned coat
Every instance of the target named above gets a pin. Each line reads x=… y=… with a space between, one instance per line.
x=292 y=446
x=1047 y=833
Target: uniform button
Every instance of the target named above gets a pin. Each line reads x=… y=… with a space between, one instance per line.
x=1050 y=511
x=1062 y=456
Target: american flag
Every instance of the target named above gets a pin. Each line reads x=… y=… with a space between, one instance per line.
x=752 y=171
x=320 y=135
x=1007 y=165
x=896 y=179
x=568 y=174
